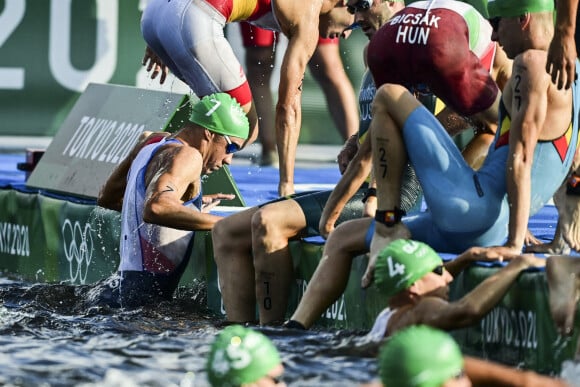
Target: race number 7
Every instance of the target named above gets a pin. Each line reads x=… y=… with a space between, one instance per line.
x=214 y=108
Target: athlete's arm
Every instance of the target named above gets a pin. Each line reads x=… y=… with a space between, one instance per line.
x=485 y=373
x=354 y=176
x=529 y=104
x=299 y=22
x=475 y=254
x=347 y=153
x=502 y=67
x=562 y=53
x=167 y=183
x=471 y=308
x=111 y=194
x=371 y=202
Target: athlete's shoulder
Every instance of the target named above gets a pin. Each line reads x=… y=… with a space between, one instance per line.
x=531 y=65
x=532 y=57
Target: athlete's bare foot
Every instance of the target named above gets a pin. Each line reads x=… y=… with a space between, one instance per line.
x=564 y=286
x=557 y=246
x=381 y=238
x=569 y=217
x=567 y=233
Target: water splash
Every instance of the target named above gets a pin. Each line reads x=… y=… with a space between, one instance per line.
x=53 y=339
x=39 y=276
x=561 y=343
x=571 y=373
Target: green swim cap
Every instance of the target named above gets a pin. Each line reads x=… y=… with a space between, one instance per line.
x=419 y=356
x=240 y=355
x=222 y=114
x=402 y=263
x=514 y=8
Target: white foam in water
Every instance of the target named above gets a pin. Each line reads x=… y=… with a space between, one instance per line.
x=119 y=378
x=571 y=373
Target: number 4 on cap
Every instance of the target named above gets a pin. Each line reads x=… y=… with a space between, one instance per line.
x=395 y=268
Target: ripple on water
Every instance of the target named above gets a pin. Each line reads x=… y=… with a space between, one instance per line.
x=50 y=337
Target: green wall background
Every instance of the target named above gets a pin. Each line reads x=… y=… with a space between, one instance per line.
x=99 y=41
x=33 y=31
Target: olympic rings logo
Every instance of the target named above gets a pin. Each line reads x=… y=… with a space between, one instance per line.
x=78 y=249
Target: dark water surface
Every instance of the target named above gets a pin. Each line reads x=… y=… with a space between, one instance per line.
x=48 y=337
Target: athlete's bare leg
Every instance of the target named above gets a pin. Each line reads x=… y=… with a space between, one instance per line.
x=232 y=249
x=562 y=273
x=557 y=246
x=259 y=64
x=568 y=207
x=328 y=70
x=272 y=228
x=391 y=107
x=331 y=276
x=381 y=238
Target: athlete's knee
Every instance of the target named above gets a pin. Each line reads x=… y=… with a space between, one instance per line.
x=386 y=98
x=338 y=234
x=335 y=247
x=389 y=92
x=265 y=222
x=222 y=235
x=347 y=238
x=271 y=226
x=393 y=103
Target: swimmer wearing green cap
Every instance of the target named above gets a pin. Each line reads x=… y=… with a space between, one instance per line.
x=436 y=361
x=403 y=262
x=242 y=357
x=158 y=191
x=529 y=158
x=415 y=283
x=421 y=356
x=220 y=113
x=516 y=8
